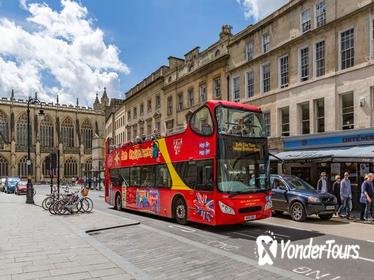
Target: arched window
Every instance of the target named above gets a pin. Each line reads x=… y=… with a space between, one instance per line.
x=70 y=168
x=88 y=166
x=4 y=126
x=87 y=133
x=22 y=167
x=67 y=132
x=22 y=130
x=46 y=132
x=3 y=167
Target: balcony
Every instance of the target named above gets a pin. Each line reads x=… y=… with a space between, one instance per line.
x=87 y=151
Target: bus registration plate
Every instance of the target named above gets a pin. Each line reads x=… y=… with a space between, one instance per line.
x=250 y=218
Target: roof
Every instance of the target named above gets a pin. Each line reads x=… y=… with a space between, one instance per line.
x=234 y=105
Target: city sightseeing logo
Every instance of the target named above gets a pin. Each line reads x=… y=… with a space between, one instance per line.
x=267 y=250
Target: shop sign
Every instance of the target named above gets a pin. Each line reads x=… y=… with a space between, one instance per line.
x=329 y=141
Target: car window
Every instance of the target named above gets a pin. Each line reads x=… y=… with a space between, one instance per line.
x=278 y=184
x=298 y=184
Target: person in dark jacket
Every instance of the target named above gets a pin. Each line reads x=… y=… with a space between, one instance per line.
x=322 y=184
x=336 y=190
x=369 y=194
x=363 y=198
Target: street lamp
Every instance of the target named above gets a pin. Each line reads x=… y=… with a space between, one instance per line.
x=30 y=189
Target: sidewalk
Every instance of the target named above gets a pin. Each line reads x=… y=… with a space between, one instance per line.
x=36 y=245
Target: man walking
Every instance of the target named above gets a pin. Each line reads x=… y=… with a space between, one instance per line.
x=369 y=194
x=322 y=183
x=346 y=196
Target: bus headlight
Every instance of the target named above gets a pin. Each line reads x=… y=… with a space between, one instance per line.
x=226 y=209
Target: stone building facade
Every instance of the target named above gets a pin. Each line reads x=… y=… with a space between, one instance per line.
x=76 y=131
x=161 y=101
x=309 y=66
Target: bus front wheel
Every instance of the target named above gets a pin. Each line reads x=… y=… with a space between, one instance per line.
x=118 y=205
x=180 y=211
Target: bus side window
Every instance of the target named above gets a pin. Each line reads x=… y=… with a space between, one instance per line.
x=197 y=175
x=124 y=174
x=205 y=175
x=201 y=122
x=162 y=176
x=114 y=177
x=148 y=176
x=135 y=176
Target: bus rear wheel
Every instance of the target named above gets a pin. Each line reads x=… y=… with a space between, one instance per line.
x=180 y=211
x=118 y=204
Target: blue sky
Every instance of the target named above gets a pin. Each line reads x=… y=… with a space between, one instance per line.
x=143 y=33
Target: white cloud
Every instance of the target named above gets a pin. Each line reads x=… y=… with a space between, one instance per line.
x=259 y=9
x=60 y=45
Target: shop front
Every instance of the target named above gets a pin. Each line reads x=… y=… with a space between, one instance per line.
x=333 y=153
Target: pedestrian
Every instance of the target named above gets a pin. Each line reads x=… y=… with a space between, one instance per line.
x=363 y=198
x=322 y=183
x=336 y=190
x=346 y=196
x=369 y=194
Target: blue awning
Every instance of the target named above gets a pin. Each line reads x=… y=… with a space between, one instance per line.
x=358 y=153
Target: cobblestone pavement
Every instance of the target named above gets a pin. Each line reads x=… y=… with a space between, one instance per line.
x=166 y=256
x=36 y=245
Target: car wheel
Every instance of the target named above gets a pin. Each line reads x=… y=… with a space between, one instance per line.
x=118 y=205
x=180 y=211
x=297 y=212
x=325 y=217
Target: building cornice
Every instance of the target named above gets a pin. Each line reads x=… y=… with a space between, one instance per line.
x=301 y=37
x=197 y=71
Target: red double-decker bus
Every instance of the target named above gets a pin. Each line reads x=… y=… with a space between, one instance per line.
x=215 y=172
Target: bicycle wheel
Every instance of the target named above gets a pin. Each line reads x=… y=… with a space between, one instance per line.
x=90 y=202
x=51 y=208
x=85 y=205
x=45 y=203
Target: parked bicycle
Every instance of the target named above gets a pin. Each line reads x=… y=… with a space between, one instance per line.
x=68 y=202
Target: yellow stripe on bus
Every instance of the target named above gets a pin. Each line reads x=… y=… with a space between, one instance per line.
x=177 y=182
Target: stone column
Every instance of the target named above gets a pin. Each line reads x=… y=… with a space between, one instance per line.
x=13 y=164
x=62 y=160
x=38 y=163
x=81 y=158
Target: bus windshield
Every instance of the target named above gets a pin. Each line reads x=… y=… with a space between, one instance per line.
x=232 y=121
x=242 y=175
